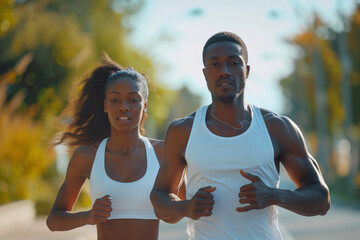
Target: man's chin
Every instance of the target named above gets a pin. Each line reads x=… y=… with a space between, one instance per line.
x=226 y=99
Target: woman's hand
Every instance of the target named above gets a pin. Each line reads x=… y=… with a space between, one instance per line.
x=101 y=210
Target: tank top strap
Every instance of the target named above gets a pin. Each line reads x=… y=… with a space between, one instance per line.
x=152 y=160
x=98 y=168
x=200 y=116
x=101 y=149
x=258 y=118
x=198 y=124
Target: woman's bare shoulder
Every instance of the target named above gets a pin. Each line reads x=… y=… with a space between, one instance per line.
x=159 y=147
x=83 y=159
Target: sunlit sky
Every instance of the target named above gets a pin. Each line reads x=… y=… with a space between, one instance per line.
x=264 y=25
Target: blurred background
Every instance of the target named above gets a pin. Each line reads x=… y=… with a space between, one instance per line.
x=304 y=58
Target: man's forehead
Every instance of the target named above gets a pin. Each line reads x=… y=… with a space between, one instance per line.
x=229 y=48
x=224 y=49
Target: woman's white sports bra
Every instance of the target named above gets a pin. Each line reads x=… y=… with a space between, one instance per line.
x=129 y=199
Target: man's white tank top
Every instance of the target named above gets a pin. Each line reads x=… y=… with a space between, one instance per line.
x=129 y=199
x=216 y=161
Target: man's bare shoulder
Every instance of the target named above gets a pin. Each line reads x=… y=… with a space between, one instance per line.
x=178 y=133
x=181 y=124
x=282 y=127
x=276 y=120
x=158 y=146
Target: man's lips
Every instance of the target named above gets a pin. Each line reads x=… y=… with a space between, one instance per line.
x=224 y=82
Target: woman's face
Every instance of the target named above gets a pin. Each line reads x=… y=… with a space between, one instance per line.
x=124 y=103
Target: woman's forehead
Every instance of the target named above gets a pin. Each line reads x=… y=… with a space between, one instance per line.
x=124 y=84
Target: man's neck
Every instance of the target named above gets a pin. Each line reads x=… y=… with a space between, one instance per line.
x=233 y=111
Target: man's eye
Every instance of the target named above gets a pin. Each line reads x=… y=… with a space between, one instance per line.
x=114 y=100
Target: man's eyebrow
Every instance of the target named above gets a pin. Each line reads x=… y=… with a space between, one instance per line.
x=130 y=93
x=213 y=57
x=231 y=56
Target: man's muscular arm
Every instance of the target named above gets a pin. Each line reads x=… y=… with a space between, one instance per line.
x=167 y=205
x=312 y=194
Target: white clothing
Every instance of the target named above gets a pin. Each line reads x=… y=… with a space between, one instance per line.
x=129 y=199
x=216 y=161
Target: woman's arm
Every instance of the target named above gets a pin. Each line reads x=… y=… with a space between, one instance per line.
x=61 y=217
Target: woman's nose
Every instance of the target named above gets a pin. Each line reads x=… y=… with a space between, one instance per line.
x=124 y=106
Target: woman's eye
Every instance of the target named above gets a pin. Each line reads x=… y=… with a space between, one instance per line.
x=135 y=100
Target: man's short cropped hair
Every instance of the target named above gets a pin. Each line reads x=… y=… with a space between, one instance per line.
x=225 y=37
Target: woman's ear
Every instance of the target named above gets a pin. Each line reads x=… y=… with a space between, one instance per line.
x=145 y=107
x=105 y=110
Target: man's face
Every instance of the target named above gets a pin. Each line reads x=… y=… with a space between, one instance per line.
x=225 y=71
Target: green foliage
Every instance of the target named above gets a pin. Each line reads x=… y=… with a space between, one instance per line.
x=304 y=78
x=354 y=50
x=324 y=90
x=23 y=154
x=7 y=19
x=65 y=38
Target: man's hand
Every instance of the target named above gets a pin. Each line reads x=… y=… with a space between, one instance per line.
x=201 y=204
x=256 y=193
x=101 y=210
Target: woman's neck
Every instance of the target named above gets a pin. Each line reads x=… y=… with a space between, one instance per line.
x=124 y=142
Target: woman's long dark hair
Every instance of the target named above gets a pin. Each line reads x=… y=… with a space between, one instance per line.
x=89 y=123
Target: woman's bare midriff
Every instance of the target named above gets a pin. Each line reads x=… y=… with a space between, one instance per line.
x=134 y=229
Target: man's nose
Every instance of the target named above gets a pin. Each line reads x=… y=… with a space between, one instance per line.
x=224 y=71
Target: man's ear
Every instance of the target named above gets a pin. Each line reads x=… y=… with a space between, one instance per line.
x=247 y=70
x=105 y=110
x=204 y=72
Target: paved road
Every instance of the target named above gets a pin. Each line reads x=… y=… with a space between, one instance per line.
x=37 y=230
x=341 y=222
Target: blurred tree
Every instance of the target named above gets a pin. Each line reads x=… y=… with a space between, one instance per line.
x=352 y=42
x=323 y=95
x=24 y=154
x=351 y=91
x=184 y=102
x=55 y=43
x=67 y=39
